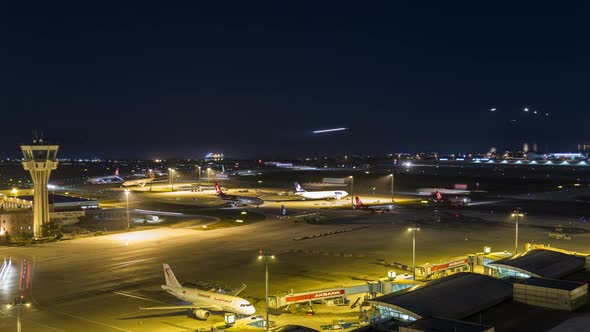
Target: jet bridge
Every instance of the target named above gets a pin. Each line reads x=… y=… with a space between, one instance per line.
x=372 y=288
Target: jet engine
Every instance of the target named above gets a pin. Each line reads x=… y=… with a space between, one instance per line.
x=202 y=314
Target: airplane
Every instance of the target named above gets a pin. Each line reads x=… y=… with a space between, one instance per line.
x=203 y=301
x=237 y=200
x=108 y=179
x=140 y=182
x=376 y=208
x=337 y=194
x=437 y=197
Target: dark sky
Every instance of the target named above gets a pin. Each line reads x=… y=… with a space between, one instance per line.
x=254 y=78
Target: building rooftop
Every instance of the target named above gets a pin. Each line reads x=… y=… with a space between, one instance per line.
x=436 y=324
x=574 y=324
x=543 y=263
x=53 y=198
x=548 y=283
x=453 y=297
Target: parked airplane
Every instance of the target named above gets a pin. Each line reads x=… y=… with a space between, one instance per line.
x=140 y=182
x=377 y=208
x=437 y=197
x=203 y=301
x=237 y=200
x=337 y=194
x=108 y=179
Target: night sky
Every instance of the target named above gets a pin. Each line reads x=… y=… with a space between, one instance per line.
x=254 y=78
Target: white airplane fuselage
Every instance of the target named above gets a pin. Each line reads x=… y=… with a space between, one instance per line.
x=225 y=302
x=138 y=182
x=336 y=194
x=109 y=179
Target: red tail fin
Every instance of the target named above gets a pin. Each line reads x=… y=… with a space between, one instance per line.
x=438 y=196
x=117 y=171
x=358 y=202
x=218 y=189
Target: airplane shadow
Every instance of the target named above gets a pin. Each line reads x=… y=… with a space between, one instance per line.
x=186 y=313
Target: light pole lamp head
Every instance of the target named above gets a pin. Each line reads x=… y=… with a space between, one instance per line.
x=413 y=229
x=265 y=255
x=127 y=191
x=517 y=213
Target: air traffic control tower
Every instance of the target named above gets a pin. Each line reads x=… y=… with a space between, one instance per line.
x=40 y=160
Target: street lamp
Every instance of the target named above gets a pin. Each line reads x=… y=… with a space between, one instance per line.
x=127 y=191
x=266 y=256
x=208 y=175
x=391 y=175
x=516 y=214
x=14 y=191
x=351 y=190
x=413 y=230
x=199 y=185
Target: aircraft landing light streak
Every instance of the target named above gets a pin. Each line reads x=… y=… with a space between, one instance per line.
x=328 y=130
x=159 y=212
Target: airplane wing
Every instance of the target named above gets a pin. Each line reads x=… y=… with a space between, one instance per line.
x=237 y=291
x=188 y=306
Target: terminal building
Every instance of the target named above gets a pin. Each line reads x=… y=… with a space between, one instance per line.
x=16 y=214
x=540 y=264
x=545 y=286
x=457 y=296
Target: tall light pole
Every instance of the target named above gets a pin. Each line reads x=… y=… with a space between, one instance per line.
x=171 y=176
x=516 y=214
x=413 y=230
x=391 y=175
x=351 y=190
x=127 y=191
x=266 y=256
x=208 y=176
x=199 y=185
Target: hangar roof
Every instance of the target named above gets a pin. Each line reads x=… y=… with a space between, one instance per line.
x=435 y=324
x=453 y=297
x=543 y=263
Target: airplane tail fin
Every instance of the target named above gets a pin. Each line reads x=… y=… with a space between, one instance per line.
x=218 y=190
x=298 y=187
x=358 y=202
x=117 y=171
x=438 y=196
x=170 y=278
